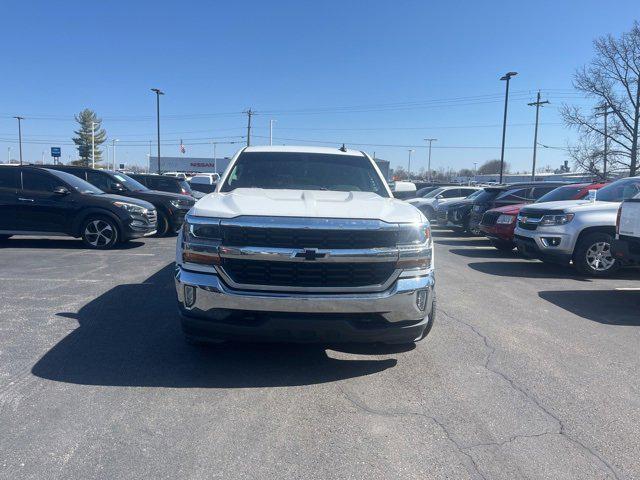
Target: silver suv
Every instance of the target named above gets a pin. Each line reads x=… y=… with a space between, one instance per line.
x=578 y=232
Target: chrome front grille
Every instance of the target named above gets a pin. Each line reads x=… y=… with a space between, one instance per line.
x=152 y=217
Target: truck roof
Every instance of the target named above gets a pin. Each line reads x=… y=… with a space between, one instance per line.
x=303 y=149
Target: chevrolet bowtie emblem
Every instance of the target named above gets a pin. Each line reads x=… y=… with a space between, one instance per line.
x=310 y=254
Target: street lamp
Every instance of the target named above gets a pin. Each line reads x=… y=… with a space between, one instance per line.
x=113 y=148
x=20 y=135
x=506 y=77
x=409 y=166
x=93 y=145
x=158 y=92
x=430 y=140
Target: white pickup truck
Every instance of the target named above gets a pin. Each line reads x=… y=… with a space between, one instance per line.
x=305 y=244
x=626 y=246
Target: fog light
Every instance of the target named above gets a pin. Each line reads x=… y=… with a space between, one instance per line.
x=421 y=300
x=551 y=241
x=189 y=295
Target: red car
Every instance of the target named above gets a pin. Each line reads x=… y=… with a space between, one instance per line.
x=499 y=224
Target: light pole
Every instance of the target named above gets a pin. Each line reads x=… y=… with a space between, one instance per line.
x=8 y=154
x=20 y=135
x=271 y=122
x=158 y=93
x=475 y=169
x=409 y=166
x=113 y=148
x=605 y=113
x=430 y=140
x=215 y=156
x=507 y=78
x=93 y=145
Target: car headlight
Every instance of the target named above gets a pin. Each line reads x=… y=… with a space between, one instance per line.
x=181 y=203
x=506 y=219
x=131 y=208
x=554 y=220
x=477 y=208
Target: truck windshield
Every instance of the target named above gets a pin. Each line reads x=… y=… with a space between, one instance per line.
x=304 y=171
x=620 y=190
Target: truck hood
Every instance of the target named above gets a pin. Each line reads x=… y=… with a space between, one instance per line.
x=575 y=206
x=305 y=203
x=510 y=209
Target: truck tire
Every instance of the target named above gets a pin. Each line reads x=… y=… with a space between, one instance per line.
x=593 y=256
x=99 y=232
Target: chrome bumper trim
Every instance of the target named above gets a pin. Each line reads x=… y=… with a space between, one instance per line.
x=396 y=304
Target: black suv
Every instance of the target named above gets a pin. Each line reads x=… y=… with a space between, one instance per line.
x=39 y=201
x=171 y=207
x=165 y=183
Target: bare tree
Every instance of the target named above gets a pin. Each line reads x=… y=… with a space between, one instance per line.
x=491 y=167
x=612 y=78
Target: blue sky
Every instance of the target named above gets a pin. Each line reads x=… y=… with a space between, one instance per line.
x=372 y=73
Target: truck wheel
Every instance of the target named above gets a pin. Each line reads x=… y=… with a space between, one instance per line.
x=593 y=255
x=99 y=232
x=503 y=246
x=163 y=225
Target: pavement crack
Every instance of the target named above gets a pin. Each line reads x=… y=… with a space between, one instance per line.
x=362 y=406
x=561 y=426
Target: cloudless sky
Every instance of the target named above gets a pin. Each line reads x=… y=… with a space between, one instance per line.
x=366 y=73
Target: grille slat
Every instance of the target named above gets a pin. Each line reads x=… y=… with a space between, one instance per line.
x=307 y=274
x=311 y=238
x=489 y=219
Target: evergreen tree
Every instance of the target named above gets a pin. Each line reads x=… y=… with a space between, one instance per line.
x=82 y=139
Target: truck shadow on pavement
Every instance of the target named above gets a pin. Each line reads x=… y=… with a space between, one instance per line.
x=130 y=336
x=610 y=307
x=526 y=269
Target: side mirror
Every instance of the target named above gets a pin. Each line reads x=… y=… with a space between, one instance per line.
x=61 y=191
x=440 y=197
x=118 y=187
x=593 y=194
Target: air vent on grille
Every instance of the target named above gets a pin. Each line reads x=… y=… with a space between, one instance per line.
x=307 y=238
x=490 y=218
x=307 y=274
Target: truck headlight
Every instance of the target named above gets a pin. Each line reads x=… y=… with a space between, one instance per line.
x=414 y=233
x=131 y=208
x=554 y=220
x=200 y=240
x=506 y=219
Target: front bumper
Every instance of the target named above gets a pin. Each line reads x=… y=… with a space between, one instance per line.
x=498 y=232
x=532 y=247
x=219 y=312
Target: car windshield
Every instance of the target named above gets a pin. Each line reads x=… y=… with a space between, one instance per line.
x=620 y=190
x=128 y=182
x=433 y=193
x=304 y=171
x=78 y=184
x=561 y=193
x=487 y=195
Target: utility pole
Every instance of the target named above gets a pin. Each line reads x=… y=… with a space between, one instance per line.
x=409 y=166
x=605 y=113
x=20 y=135
x=93 y=145
x=271 y=131
x=430 y=140
x=215 y=156
x=158 y=93
x=506 y=77
x=536 y=104
x=475 y=169
x=113 y=148
x=249 y=115
x=8 y=155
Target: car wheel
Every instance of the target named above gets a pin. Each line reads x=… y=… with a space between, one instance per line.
x=593 y=255
x=99 y=232
x=163 y=225
x=503 y=246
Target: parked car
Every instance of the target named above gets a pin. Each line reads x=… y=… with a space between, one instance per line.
x=514 y=194
x=499 y=224
x=180 y=175
x=172 y=184
x=305 y=244
x=171 y=207
x=626 y=246
x=204 y=182
x=429 y=203
x=457 y=215
x=43 y=202
x=578 y=232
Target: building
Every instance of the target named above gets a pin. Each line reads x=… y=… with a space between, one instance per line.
x=189 y=164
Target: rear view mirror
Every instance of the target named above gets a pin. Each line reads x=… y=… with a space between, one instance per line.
x=61 y=191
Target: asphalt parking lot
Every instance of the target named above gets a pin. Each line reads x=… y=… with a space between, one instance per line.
x=530 y=372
